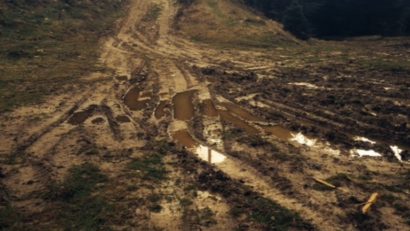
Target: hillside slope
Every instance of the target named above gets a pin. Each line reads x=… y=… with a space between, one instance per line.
x=47 y=44
x=229 y=23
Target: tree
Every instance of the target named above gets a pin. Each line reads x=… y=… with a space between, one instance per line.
x=296 y=22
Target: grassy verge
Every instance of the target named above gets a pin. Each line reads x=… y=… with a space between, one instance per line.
x=153 y=13
x=151 y=167
x=46 y=44
x=10 y=219
x=80 y=206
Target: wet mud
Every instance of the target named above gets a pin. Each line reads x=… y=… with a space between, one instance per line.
x=131 y=99
x=208 y=108
x=237 y=122
x=123 y=119
x=80 y=117
x=183 y=105
x=160 y=111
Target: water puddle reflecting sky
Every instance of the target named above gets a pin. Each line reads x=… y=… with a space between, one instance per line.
x=205 y=153
x=209 y=155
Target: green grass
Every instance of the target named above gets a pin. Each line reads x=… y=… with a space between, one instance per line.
x=10 y=219
x=274 y=216
x=47 y=44
x=185 y=202
x=153 y=13
x=206 y=217
x=150 y=166
x=80 y=207
x=82 y=181
x=394 y=66
x=402 y=210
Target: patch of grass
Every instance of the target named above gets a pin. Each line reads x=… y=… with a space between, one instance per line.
x=86 y=214
x=395 y=66
x=226 y=25
x=81 y=182
x=153 y=13
x=79 y=207
x=274 y=216
x=366 y=221
x=131 y=188
x=185 y=202
x=155 y=200
x=10 y=219
x=156 y=208
x=403 y=211
x=47 y=44
x=206 y=217
x=233 y=133
x=151 y=166
x=237 y=211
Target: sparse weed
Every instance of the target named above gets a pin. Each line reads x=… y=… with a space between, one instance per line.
x=79 y=208
x=10 y=219
x=151 y=167
x=153 y=13
x=44 y=46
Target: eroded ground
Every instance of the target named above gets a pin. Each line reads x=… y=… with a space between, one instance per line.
x=179 y=135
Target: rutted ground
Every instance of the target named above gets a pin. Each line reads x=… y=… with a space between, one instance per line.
x=175 y=137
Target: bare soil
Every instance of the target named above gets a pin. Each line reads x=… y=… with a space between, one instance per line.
x=180 y=135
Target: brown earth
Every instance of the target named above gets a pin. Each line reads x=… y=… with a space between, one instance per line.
x=192 y=136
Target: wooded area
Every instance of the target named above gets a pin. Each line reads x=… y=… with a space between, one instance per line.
x=337 y=18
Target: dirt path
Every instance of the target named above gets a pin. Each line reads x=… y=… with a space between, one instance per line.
x=154 y=90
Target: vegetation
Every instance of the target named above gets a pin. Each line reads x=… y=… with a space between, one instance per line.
x=151 y=167
x=80 y=208
x=295 y=21
x=153 y=13
x=271 y=215
x=46 y=44
x=222 y=25
x=10 y=219
x=332 y=18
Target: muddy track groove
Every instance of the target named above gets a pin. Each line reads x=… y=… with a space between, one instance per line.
x=21 y=148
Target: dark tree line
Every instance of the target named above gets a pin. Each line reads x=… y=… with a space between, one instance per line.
x=338 y=18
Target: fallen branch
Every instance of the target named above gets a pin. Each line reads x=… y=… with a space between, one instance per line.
x=325 y=183
x=372 y=200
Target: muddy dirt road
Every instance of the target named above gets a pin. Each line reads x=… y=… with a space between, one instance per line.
x=162 y=87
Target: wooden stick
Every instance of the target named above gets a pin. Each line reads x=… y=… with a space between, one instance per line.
x=372 y=200
x=325 y=183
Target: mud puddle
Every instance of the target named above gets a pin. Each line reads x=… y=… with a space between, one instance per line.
x=183 y=106
x=397 y=151
x=131 y=99
x=278 y=131
x=209 y=155
x=98 y=120
x=123 y=119
x=79 y=117
x=142 y=104
x=160 y=110
x=183 y=138
x=122 y=78
x=242 y=113
x=240 y=118
x=241 y=121
x=208 y=108
x=237 y=122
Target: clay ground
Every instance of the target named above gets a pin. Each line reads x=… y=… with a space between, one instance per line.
x=178 y=134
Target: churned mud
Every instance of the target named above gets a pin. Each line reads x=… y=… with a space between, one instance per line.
x=179 y=135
